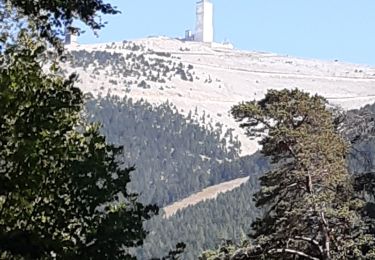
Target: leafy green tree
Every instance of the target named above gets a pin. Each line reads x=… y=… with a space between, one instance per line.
x=50 y=18
x=62 y=191
x=308 y=198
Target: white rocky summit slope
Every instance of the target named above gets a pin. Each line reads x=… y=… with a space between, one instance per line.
x=213 y=77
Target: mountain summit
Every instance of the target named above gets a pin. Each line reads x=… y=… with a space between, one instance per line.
x=212 y=77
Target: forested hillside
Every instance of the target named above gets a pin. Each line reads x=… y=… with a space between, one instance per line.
x=177 y=140
x=361 y=130
x=205 y=225
x=174 y=155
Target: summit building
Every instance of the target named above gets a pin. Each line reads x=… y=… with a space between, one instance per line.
x=204 y=30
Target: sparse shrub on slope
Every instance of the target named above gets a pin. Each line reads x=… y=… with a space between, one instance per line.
x=140 y=65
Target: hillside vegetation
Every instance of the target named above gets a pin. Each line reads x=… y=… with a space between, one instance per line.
x=162 y=128
x=174 y=155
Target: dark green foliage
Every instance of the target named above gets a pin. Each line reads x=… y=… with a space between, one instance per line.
x=61 y=190
x=227 y=250
x=50 y=17
x=176 y=253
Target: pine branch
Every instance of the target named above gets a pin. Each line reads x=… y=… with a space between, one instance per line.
x=311 y=240
x=292 y=252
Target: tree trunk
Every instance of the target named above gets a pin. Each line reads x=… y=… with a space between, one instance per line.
x=326 y=238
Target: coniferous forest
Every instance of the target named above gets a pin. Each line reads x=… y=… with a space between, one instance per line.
x=208 y=224
x=162 y=143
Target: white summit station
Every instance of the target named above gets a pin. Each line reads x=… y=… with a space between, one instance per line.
x=204 y=30
x=70 y=38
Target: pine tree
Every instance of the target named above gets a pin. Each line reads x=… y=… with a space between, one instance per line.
x=310 y=208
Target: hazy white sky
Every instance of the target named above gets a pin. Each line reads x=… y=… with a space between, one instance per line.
x=323 y=29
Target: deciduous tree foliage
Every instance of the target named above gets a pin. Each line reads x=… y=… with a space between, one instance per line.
x=311 y=211
x=62 y=191
x=50 y=17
